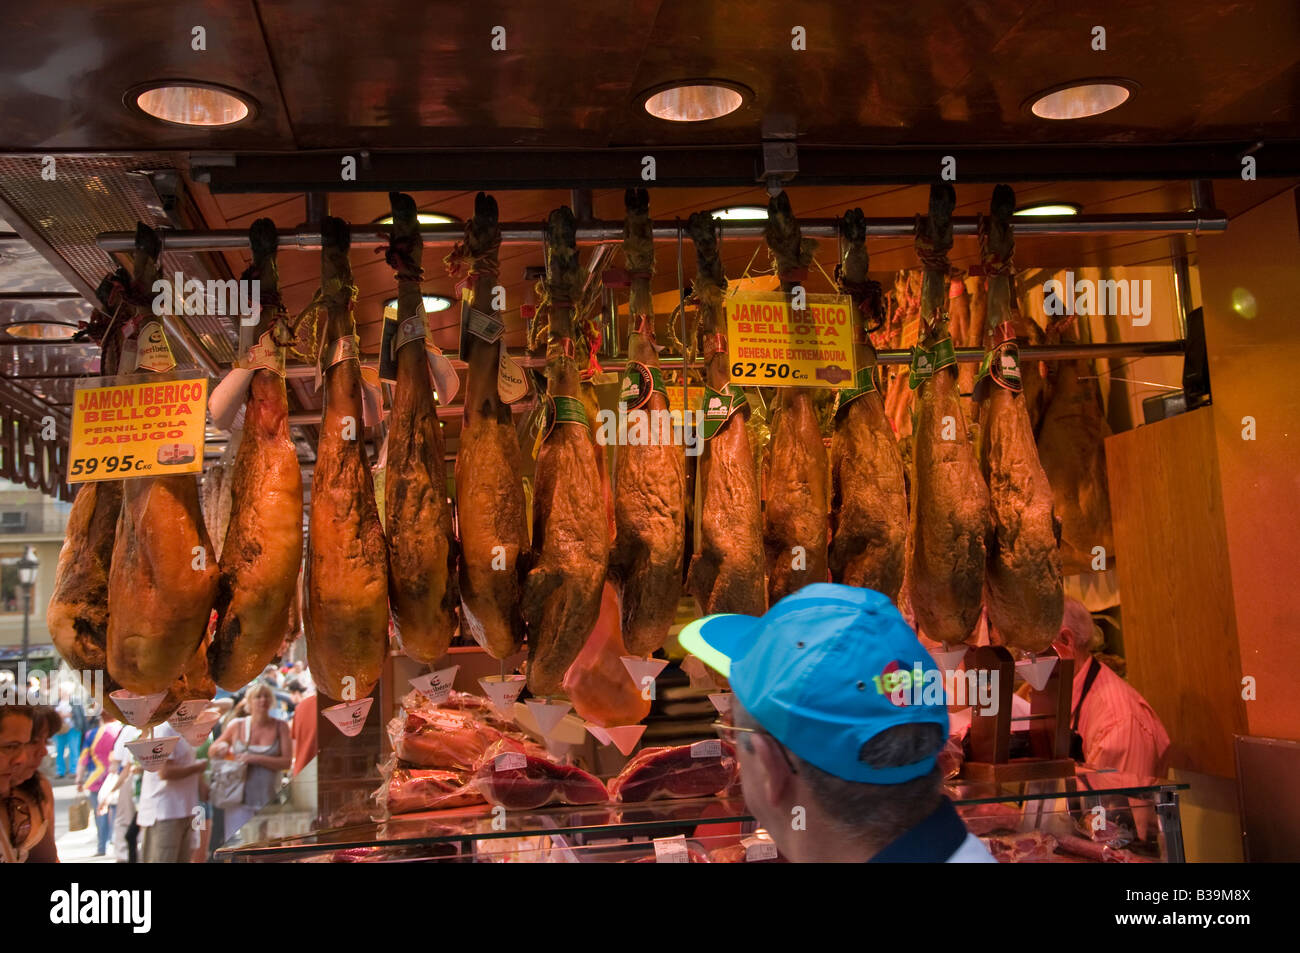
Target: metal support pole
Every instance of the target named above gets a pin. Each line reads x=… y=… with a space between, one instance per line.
x=27 y=612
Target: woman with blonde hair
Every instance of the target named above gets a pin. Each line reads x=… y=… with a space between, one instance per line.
x=260 y=742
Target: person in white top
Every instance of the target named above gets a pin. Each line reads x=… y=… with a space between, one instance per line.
x=168 y=799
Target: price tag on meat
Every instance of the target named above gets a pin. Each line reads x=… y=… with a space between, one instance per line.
x=707 y=749
x=771 y=344
x=150 y=425
x=671 y=850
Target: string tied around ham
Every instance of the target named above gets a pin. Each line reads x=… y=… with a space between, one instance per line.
x=399 y=253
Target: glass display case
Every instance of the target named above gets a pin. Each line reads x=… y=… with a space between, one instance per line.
x=1094 y=816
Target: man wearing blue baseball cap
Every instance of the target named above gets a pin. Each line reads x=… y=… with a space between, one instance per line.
x=837 y=728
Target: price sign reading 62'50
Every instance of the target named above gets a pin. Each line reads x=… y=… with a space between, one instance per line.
x=144 y=425
x=770 y=344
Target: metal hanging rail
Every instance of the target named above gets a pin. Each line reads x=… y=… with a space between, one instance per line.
x=523 y=233
x=965 y=355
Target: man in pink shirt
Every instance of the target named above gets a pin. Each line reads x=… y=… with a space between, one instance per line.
x=1119 y=729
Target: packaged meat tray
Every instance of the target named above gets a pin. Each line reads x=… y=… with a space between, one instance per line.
x=411 y=789
x=441 y=738
x=521 y=780
x=695 y=770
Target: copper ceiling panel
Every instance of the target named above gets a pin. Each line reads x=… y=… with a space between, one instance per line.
x=66 y=67
x=425 y=75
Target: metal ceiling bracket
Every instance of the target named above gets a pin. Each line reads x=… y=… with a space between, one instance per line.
x=780 y=154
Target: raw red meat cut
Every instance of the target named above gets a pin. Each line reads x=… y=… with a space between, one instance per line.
x=1033 y=847
x=1023 y=582
x=695 y=770
x=520 y=781
x=489 y=485
x=649 y=477
x=949 y=500
x=570 y=541
x=262 y=548
x=726 y=570
x=417 y=512
x=346 y=610
x=868 y=492
x=797 y=486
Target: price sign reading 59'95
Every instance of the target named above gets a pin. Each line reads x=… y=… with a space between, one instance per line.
x=143 y=425
x=771 y=344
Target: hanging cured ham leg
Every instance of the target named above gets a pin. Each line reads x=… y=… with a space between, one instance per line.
x=1072 y=448
x=795 y=511
x=421 y=546
x=78 y=612
x=650 y=476
x=570 y=539
x=346 y=611
x=163 y=578
x=726 y=571
x=950 y=503
x=1024 y=595
x=489 y=488
x=262 y=551
x=868 y=493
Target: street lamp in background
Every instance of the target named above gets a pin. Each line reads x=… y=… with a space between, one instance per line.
x=27 y=567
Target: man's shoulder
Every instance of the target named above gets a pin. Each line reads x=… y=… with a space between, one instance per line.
x=972 y=851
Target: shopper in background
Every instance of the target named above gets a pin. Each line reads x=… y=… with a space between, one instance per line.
x=303 y=730
x=299 y=671
x=126 y=831
x=168 y=799
x=262 y=742
x=271 y=675
x=67 y=742
x=837 y=756
x=1116 y=727
x=92 y=772
x=46 y=723
x=28 y=835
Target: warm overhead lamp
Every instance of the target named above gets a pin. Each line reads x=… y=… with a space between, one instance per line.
x=741 y=213
x=41 y=330
x=190 y=103
x=432 y=303
x=694 y=100
x=1081 y=99
x=425 y=218
x=1048 y=208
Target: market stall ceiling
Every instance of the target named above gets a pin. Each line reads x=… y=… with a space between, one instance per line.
x=402 y=75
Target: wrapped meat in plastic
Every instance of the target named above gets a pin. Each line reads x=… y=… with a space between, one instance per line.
x=696 y=770
x=519 y=780
x=1032 y=847
x=598 y=682
x=440 y=738
x=410 y=789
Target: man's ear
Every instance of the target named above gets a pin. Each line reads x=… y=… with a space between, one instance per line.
x=776 y=771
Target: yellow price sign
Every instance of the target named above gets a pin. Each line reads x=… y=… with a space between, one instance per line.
x=770 y=344
x=145 y=425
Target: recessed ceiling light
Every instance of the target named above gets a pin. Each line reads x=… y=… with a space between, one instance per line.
x=189 y=103
x=1048 y=208
x=1081 y=99
x=432 y=303
x=695 y=100
x=41 y=330
x=425 y=218
x=741 y=213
